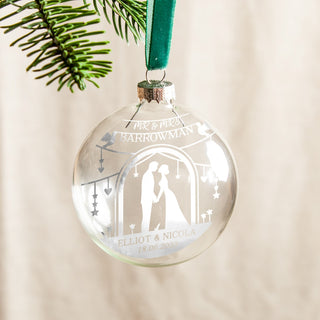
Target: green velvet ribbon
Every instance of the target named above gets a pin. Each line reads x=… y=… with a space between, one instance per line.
x=160 y=14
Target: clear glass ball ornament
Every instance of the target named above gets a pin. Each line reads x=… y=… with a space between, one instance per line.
x=153 y=184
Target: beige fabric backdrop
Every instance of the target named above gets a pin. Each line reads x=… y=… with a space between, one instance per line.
x=252 y=67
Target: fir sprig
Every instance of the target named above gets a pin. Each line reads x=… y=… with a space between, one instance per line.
x=126 y=15
x=55 y=35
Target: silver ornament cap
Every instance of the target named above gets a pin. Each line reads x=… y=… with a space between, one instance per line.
x=160 y=91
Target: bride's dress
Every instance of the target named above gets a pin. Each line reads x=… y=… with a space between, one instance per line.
x=174 y=216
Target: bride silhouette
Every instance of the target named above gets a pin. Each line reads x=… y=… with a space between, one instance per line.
x=174 y=216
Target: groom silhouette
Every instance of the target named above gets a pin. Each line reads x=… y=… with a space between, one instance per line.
x=147 y=195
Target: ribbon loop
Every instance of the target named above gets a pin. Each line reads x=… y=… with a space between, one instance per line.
x=160 y=14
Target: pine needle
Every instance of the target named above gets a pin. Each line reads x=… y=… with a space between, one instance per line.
x=54 y=30
x=126 y=15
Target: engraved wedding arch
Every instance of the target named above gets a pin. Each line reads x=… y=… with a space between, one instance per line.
x=148 y=153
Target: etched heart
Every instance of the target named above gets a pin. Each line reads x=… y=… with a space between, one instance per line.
x=108 y=191
x=203 y=178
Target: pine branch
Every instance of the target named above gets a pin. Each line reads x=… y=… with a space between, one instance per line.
x=126 y=15
x=60 y=45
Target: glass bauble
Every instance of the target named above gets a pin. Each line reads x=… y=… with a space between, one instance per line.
x=155 y=190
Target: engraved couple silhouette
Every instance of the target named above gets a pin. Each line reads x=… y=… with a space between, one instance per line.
x=174 y=216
